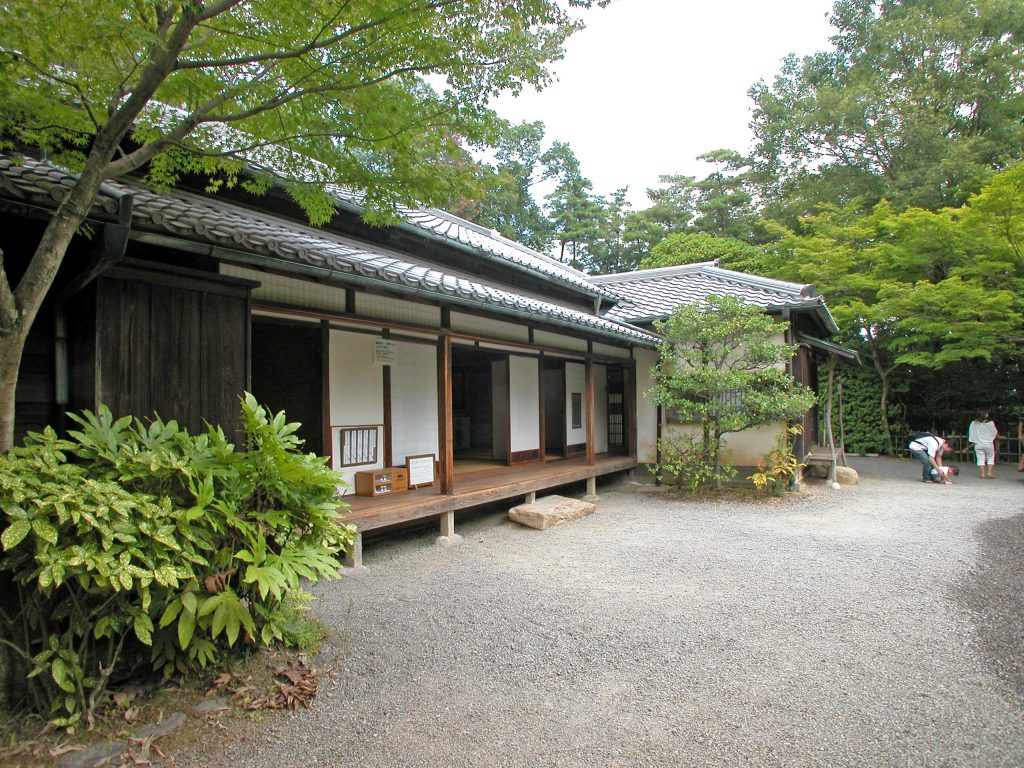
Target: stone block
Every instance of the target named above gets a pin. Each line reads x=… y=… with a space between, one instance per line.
x=846 y=476
x=549 y=511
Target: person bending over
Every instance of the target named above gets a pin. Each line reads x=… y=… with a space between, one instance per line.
x=928 y=450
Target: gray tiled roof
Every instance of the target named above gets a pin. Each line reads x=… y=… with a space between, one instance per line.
x=299 y=247
x=484 y=242
x=653 y=294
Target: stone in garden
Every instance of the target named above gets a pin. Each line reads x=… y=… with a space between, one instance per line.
x=846 y=476
x=549 y=511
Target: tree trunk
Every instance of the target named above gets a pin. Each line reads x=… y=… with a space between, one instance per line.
x=12 y=345
x=883 y=375
x=886 y=432
x=28 y=296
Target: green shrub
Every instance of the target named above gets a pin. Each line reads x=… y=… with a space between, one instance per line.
x=686 y=462
x=130 y=547
x=780 y=466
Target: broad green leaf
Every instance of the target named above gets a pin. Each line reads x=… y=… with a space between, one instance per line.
x=170 y=613
x=144 y=629
x=186 y=627
x=62 y=676
x=15 y=533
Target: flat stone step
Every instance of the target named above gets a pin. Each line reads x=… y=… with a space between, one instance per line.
x=549 y=511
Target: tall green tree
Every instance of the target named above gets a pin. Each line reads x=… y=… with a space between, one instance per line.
x=723 y=199
x=507 y=203
x=916 y=101
x=670 y=211
x=720 y=365
x=916 y=291
x=328 y=91
x=576 y=213
x=616 y=249
x=694 y=247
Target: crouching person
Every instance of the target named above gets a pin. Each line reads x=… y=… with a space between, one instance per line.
x=945 y=473
x=928 y=450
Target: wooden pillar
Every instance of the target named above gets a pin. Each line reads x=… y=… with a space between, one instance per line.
x=445 y=428
x=590 y=409
x=327 y=433
x=389 y=460
x=447 y=520
x=354 y=559
x=542 y=430
x=630 y=426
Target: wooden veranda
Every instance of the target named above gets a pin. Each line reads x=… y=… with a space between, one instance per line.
x=474 y=489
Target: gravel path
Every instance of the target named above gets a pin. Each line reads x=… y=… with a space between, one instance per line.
x=878 y=625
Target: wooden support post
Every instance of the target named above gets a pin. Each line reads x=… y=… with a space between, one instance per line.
x=389 y=460
x=591 y=411
x=327 y=434
x=448 y=524
x=354 y=559
x=629 y=412
x=541 y=434
x=445 y=428
x=531 y=497
x=448 y=536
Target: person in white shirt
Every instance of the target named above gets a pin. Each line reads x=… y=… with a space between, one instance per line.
x=983 y=434
x=928 y=450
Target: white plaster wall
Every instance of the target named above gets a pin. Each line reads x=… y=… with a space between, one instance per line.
x=600 y=409
x=485 y=326
x=357 y=390
x=524 y=403
x=413 y=401
x=607 y=350
x=575 y=381
x=559 y=340
x=398 y=310
x=646 y=412
x=745 y=448
x=290 y=290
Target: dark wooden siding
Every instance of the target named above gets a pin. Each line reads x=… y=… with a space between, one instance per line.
x=171 y=344
x=35 y=395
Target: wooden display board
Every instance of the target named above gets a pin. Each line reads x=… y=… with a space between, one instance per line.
x=421 y=469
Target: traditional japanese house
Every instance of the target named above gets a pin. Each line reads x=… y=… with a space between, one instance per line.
x=434 y=348
x=647 y=296
x=434 y=355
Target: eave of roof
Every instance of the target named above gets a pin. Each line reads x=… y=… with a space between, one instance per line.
x=649 y=295
x=452 y=231
x=258 y=237
x=843 y=353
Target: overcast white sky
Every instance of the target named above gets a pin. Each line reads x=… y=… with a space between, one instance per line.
x=651 y=84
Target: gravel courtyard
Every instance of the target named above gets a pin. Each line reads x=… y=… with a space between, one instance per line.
x=878 y=625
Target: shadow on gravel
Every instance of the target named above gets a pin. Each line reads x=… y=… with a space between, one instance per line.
x=993 y=594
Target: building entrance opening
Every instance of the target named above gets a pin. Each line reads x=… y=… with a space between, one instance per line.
x=287 y=375
x=480 y=405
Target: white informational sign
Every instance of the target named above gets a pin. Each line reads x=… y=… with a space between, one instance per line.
x=385 y=352
x=421 y=469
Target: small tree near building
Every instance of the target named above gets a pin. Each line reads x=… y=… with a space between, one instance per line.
x=722 y=369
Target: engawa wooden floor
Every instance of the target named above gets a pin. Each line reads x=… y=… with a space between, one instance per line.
x=476 y=488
